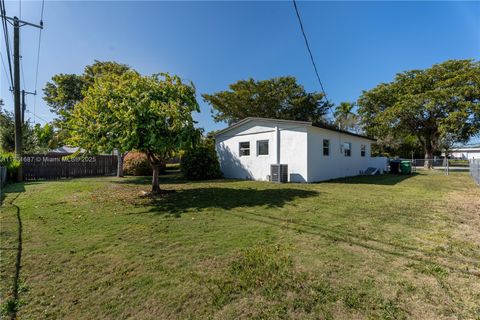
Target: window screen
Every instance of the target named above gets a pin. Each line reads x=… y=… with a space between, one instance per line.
x=244 y=148
x=347 y=149
x=262 y=147
x=326 y=147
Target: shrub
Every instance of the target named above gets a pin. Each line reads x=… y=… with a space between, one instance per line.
x=136 y=164
x=7 y=159
x=201 y=163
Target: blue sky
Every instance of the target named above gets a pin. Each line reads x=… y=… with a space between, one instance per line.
x=356 y=45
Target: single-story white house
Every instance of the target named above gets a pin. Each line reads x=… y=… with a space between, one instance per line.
x=312 y=152
x=466 y=152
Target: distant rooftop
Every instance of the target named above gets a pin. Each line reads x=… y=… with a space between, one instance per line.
x=65 y=150
x=307 y=123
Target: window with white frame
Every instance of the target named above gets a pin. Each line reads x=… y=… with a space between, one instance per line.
x=244 y=148
x=347 y=149
x=363 y=150
x=326 y=147
x=262 y=147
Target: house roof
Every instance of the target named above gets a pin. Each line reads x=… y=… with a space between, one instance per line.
x=305 y=123
x=65 y=150
x=467 y=148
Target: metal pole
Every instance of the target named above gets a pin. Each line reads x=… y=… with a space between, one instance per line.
x=446 y=162
x=277 y=140
x=23 y=106
x=16 y=89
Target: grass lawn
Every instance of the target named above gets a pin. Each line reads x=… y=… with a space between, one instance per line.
x=388 y=247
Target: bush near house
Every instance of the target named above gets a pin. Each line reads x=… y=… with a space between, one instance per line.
x=7 y=159
x=201 y=163
x=136 y=164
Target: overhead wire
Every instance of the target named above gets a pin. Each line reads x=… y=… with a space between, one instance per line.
x=311 y=55
x=38 y=58
x=6 y=71
x=7 y=39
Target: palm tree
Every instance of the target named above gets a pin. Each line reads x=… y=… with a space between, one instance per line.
x=345 y=118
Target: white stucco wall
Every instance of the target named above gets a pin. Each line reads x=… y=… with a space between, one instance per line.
x=293 y=150
x=465 y=154
x=301 y=148
x=336 y=164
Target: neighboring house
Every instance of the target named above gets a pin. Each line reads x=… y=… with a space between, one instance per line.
x=248 y=148
x=467 y=152
x=64 y=151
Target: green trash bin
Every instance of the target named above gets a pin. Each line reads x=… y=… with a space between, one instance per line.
x=406 y=167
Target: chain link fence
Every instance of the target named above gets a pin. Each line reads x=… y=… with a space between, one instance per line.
x=475 y=170
x=441 y=164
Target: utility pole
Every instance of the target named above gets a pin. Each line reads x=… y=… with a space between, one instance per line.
x=17 y=24
x=16 y=93
x=24 y=105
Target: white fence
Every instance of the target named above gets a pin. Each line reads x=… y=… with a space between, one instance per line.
x=475 y=170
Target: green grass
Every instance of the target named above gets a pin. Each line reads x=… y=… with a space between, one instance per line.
x=172 y=166
x=384 y=247
x=458 y=162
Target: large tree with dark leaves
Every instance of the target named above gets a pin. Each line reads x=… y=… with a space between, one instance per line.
x=279 y=98
x=431 y=104
x=66 y=90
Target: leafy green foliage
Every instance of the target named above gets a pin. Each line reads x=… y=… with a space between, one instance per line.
x=279 y=98
x=201 y=163
x=36 y=139
x=9 y=161
x=398 y=145
x=440 y=101
x=150 y=114
x=345 y=117
x=63 y=92
x=66 y=90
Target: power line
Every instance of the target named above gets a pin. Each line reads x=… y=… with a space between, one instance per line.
x=38 y=59
x=310 y=53
x=37 y=117
x=6 y=72
x=7 y=39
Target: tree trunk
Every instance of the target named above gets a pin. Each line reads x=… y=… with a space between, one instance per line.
x=155 y=182
x=120 y=157
x=445 y=159
x=428 y=158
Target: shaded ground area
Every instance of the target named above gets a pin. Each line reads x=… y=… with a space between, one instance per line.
x=390 y=247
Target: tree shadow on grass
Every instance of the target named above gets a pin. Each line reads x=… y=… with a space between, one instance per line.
x=412 y=253
x=11 y=188
x=12 y=304
x=167 y=179
x=384 y=179
x=225 y=198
